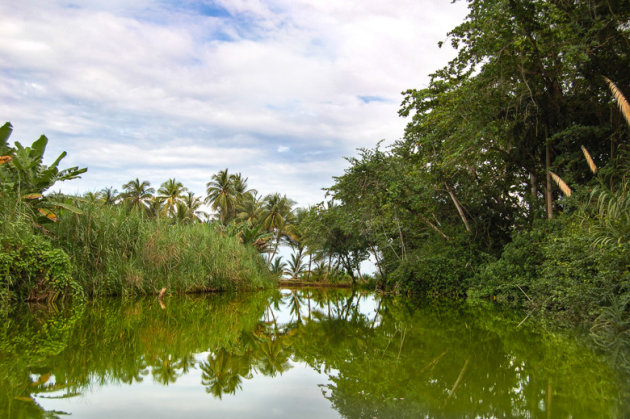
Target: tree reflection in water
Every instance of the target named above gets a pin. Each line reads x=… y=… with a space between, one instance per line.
x=381 y=356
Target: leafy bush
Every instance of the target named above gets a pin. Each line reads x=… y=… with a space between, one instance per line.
x=437 y=269
x=31 y=269
x=519 y=265
x=559 y=269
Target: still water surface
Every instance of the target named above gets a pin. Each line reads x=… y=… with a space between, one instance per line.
x=294 y=353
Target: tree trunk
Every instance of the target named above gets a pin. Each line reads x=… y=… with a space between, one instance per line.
x=533 y=186
x=459 y=207
x=359 y=271
x=548 y=191
x=310 y=263
x=534 y=190
x=328 y=268
x=275 y=249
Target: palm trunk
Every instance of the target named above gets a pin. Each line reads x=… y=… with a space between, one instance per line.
x=310 y=262
x=533 y=189
x=275 y=249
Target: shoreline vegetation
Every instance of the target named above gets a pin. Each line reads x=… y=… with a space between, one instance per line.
x=510 y=184
x=142 y=241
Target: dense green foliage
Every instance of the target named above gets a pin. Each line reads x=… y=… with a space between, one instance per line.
x=511 y=181
x=31 y=268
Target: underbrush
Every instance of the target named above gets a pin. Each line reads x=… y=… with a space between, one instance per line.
x=31 y=269
x=574 y=270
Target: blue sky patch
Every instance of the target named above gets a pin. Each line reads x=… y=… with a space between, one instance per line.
x=213 y=10
x=368 y=99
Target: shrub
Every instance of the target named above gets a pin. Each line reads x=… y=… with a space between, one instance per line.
x=31 y=269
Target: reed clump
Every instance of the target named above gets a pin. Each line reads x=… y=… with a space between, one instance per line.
x=118 y=251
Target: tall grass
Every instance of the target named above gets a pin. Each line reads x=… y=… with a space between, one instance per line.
x=115 y=251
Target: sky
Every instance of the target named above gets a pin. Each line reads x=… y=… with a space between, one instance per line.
x=280 y=91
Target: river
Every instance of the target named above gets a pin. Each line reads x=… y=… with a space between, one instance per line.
x=309 y=353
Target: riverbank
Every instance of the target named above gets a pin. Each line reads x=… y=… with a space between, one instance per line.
x=290 y=283
x=102 y=251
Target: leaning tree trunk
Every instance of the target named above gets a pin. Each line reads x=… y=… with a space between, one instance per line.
x=548 y=190
x=459 y=207
x=275 y=249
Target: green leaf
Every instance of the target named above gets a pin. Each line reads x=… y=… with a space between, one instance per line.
x=65 y=206
x=5 y=133
x=38 y=148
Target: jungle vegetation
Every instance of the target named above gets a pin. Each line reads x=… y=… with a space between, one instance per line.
x=106 y=243
x=511 y=180
x=510 y=183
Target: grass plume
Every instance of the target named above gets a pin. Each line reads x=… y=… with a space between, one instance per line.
x=623 y=104
x=561 y=184
x=589 y=160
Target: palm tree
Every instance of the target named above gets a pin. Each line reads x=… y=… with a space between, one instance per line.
x=109 y=196
x=240 y=185
x=164 y=372
x=153 y=207
x=222 y=195
x=295 y=303
x=170 y=193
x=188 y=208
x=92 y=197
x=272 y=357
x=222 y=372
x=277 y=267
x=137 y=194
x=295 y=266
x=277 y=217
x=249 y=209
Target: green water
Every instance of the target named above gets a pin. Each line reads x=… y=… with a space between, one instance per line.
x=309 y=353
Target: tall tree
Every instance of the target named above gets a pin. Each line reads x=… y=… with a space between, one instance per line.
x=249 y=209
x=109 y=196
x=189 y=208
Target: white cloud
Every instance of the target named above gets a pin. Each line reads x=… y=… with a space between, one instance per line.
x=151 y=89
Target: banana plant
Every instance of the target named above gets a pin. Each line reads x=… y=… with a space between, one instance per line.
x=23 y=174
